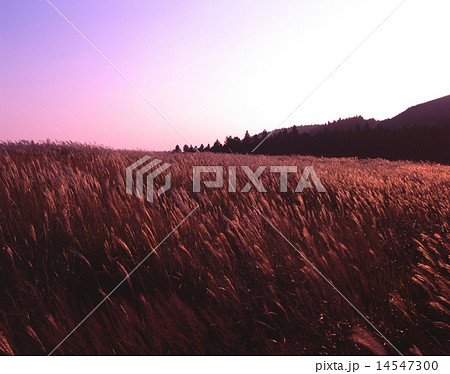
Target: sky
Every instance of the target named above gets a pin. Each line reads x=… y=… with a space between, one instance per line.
x=211 y=68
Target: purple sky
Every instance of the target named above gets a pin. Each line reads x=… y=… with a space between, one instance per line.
x=213 y=68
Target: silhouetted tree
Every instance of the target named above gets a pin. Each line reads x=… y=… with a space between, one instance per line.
x=232 y=144
x=246 y=143
x=217 y=146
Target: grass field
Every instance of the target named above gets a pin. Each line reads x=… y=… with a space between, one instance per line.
x=225 y=282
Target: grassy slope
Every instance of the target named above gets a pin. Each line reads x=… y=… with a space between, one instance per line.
x=225 y=282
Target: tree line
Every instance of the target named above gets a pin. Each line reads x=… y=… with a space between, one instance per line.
x=426 y=143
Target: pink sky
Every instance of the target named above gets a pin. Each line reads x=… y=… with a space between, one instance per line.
x=213 y=68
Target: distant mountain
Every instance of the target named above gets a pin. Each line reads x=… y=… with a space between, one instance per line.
x=421 y=132
x=432 y=113
x=340 y=124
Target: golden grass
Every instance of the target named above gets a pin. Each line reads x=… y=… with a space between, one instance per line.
x=225 y=282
